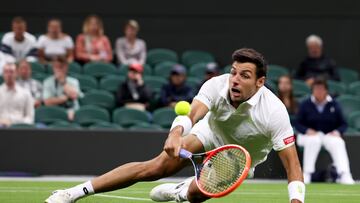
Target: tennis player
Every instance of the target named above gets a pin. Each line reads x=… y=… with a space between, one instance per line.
x=233 y=108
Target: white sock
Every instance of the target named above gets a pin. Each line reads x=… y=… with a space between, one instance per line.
x=81 y=190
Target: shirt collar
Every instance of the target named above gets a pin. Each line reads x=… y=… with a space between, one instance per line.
x=328 y=99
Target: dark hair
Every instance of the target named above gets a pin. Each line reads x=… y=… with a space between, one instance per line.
x=60 y=59
x=320 y=81
x=252 y=56
x=292 y=109
x=18 y=19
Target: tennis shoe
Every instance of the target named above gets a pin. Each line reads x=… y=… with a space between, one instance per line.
x=60 y=196
x=170 y=191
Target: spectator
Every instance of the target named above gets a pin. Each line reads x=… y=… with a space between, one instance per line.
x=316 y=64
x=25 y=81
x=130 y=49
x=321 y=123
x=16 y=103
x=19 y=44
x=176 y=90
x=212 y=70
x=133 y=93
x=285 y=93
x=61 y=89
x=93 y=45
x=55 y=43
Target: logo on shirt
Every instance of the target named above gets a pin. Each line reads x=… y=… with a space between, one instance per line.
x=289 y=140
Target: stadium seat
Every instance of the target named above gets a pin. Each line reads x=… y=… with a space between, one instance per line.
x=111 y=83
x=75 y=67
x=146 y=126
x=198 y=70
x=336 y=88
x=155 y=56
x=1 y=79
x=105 y=125
x=99 y=70
x=227 y=68
x=100 y=98
x=163 y=69
x=349 y=104
x=351 y=131
x=37 y=68
x=354 y=120
x=124 y=69
x=354 y=88
x=127 y=117
x=40 y=76
x=272 y=86
x=275 y=71
x=64 y=125
x=155 y=83
x=348 y=75
x=22 y=126
x=300 y=88
x=87 y=82
x=192 y=57
x=164 y=117
x=193 y=82
x=88 y=115
x=50 y=114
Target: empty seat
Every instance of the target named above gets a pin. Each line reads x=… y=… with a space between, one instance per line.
x=64 y=125
x=198 y=70
x=164 y=117
x=111 y=83
x=98 y=70
x=37 y=68
x=50 y=114
x=348 y=75
x=127 y=117
x=354 y=88
x=192 y=57
x=155 y=82
x=88 y=115
x=193 y=82
x=87 y=82
x=40 y=76
x=336 y=88
x=105 y=125
x=155 y=56
x=99 y=98
x=349 y=104
x=146 y=126
x=354 y=120
x=22 y=126
x=163 y=69
x=274 y=72
x=125 y=68
x=300 y=88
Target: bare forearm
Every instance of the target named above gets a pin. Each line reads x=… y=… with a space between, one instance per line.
x=55 y=101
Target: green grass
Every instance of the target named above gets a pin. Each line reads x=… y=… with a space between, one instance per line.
x=29 y=192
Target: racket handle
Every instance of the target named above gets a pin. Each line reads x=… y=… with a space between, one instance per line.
x=185 y=154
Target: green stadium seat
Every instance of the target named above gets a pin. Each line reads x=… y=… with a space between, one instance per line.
x=354 y=88
x=193 y=82
x=351 y=131
x=271 y=85
x=127 y=117
x=164 y=117
x=75 y=67
x=37 y=68
x=124 y=69
x=274 y=72
x=349 y=104
x=227 y=68
x=100 y=98
x=22 y=126
x=300 y=88
x=348 y=75
x=105 y=125
x=155 y=56
x=64 y=125
x=1 y=79
x=192 y=57
x=198 y=70
x=111 y=83
x=155 y=82
x=336 y=88
x=88 y=115
x=40 y=76
x=163 y=69
x=50 y=114
x=87 y=82
x=354 y=120
x=146 y=126
x=99 y=70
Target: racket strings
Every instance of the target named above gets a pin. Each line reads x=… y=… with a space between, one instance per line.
x=222 y=170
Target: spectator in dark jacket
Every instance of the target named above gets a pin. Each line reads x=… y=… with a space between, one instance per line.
x=176 y=90
x=316 y=64
x=321 y=123
x=133 y=93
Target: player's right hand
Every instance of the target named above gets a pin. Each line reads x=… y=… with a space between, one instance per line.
x=173 y=143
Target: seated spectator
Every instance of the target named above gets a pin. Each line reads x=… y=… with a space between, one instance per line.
x=19 y=44
x=60 y=89
x=55 y=43
x=130 y=49
x=93 y=45
x=321 y=123
x=25 y=81
x=176 y=90
x=285 y=93
x=16 y=103
x=133 y=93
x=212 y=70
x=316 y=64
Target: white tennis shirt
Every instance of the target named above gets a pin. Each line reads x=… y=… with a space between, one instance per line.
x=259 y=124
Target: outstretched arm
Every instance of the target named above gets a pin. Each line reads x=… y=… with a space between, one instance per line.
x=292 y=166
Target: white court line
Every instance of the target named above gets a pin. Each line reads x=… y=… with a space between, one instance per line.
x=124 y=197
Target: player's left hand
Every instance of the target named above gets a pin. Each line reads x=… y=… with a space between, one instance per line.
x=173 y=143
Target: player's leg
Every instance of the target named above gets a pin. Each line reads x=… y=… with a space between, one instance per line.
x=337 y=149
x=128 y=174
x=312 y=146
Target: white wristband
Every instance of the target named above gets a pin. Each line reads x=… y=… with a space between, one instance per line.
x=296 y=190
x=183 y=121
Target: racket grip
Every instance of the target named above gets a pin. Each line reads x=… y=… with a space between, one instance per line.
x=185 y=154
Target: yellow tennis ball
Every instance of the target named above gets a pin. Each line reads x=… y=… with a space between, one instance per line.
x=182 y=108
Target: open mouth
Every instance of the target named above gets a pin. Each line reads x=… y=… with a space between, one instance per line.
x=234 y=90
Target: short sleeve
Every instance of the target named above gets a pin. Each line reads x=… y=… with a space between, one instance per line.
x=208 y=94
x=281 y=131
x=41 y=42
x=69 y=44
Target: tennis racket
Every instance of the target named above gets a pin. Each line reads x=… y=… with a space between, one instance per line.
x=220 y=171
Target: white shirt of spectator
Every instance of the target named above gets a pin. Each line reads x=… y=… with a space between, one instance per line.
x=16 y=105
x=20 y=49
x=259 y=124
x=55 y=47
